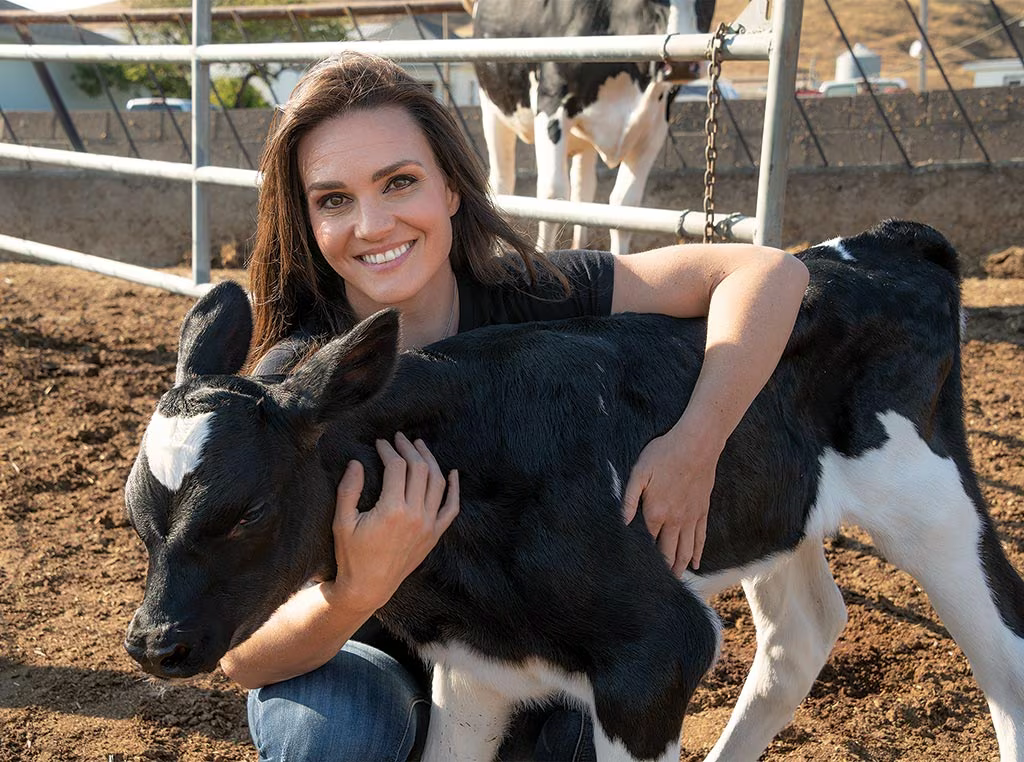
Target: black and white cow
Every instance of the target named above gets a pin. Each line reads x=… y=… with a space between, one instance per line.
x=579 y=110
x=539 y=588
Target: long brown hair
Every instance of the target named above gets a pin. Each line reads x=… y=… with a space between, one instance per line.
x=292 y=284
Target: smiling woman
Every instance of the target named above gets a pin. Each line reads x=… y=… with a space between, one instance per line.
x=372 y=198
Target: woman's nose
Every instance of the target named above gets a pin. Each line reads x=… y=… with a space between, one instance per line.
x=375 y=220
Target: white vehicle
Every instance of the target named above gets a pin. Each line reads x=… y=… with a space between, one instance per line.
x=697 y=90
x=834 y=88
x=159 y=104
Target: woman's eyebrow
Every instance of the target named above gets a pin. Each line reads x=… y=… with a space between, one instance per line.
x=380 y=173
x=385 y=171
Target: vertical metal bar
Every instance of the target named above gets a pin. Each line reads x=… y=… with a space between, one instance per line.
x=59 y=107
x=201 y=35
x=782 y=60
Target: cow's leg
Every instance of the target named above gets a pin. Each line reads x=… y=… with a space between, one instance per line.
x=799 y=613
x=633 y=173
x=583 y=182
x=501 y=147
x=551 y=140
x=468 y=718
x=925 y=514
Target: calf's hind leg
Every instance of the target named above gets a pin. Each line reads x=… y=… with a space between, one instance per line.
x=799 y=613
x=923 y=520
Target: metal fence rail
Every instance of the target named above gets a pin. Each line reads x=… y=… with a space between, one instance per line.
x=773 y=39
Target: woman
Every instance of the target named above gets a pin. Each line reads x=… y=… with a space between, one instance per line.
x=371 y=198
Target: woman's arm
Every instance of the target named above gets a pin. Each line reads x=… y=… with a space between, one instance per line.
x=375 y=550
x=751 y=296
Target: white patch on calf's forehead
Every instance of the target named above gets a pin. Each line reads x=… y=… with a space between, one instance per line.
x=837 y=244
x=174 y=446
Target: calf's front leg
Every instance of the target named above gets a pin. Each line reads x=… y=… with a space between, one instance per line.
x=468 y=718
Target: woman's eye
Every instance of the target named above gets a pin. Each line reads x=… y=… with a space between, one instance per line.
x=332 y=201
x=401 y=182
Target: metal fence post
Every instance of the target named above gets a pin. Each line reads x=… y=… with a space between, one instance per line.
x=771 y=183
x=201 y=35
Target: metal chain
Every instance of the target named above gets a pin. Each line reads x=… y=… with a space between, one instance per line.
x=714 y=56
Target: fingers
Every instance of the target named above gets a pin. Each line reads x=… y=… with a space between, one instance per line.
x=393 y=482
x=684 y=551
x=435 y=479
x=349 y=489
x=635 y=487
x=450 y=509
x=700 y=534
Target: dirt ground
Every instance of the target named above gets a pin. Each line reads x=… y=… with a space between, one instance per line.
x=84 y=359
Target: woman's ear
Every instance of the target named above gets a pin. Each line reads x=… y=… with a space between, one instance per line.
x=454 y=200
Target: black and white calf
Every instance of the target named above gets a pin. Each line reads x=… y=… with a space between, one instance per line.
x=579 y=110
x=539 y=588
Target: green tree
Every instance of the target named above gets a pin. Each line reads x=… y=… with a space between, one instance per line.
x=235 y=89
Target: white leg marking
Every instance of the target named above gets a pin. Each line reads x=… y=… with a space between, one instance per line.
x=174 y=446
x=552 y=169
x=501 y=147
x=473 y=697
x=913 y=504
x=583 y=187
x=799 y=613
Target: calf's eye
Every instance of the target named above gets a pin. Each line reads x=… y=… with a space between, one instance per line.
x=250 y=517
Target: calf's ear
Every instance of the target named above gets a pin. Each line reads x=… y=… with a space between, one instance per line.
x=347 y=372
x=215 y=334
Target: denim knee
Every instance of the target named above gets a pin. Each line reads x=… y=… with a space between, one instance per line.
x=361 y=706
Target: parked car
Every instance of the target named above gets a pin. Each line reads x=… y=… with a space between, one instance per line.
x=697 y=90
x=838 y=88
x=159 y=104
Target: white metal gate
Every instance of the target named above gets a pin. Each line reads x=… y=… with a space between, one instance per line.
x=767 y=30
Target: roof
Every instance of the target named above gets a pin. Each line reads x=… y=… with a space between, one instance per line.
x=52 y=34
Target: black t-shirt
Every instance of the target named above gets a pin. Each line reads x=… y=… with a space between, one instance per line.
x=590 y=275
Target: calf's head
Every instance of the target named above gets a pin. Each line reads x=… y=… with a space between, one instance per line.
x=231 y=492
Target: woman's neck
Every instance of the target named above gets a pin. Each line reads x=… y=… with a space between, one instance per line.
x=433 y=314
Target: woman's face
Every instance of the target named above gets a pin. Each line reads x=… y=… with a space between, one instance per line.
x=380 y=208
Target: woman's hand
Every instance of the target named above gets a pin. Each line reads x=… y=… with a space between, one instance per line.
x=377 y=549
x=674 y=476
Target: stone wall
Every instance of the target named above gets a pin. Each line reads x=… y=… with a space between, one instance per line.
x=862 y=178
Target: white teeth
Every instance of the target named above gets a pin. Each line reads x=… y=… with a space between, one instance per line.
x=387 y=256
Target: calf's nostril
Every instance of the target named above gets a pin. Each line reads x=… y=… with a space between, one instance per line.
x=172 y=657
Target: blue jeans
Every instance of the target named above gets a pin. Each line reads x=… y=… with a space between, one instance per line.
x=363 y=706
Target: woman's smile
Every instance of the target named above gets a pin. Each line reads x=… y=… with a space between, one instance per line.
x=388 y=256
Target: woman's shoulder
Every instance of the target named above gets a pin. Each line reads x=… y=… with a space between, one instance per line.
x=578 y=282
